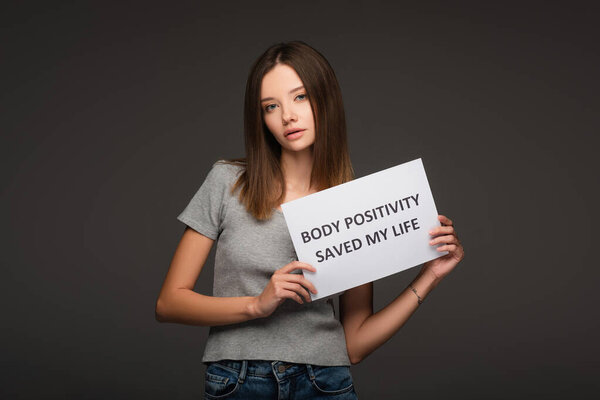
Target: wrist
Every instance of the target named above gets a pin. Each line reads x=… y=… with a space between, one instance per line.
x=429 y=278
x=424 y=283
x=252 y=308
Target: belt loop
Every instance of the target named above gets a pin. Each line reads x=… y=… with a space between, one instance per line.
x=311 y=373
x=243 y=372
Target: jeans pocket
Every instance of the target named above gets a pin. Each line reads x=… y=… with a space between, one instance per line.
x=219 y=381
x=332 y=380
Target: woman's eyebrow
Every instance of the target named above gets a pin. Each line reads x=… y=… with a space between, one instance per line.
x=291 y=91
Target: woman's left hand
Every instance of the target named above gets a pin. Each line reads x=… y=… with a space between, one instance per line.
x=442 y=266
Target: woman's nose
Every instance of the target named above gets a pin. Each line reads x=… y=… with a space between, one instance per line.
x=288 y=115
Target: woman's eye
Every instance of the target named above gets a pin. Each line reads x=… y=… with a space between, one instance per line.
x=270 y=107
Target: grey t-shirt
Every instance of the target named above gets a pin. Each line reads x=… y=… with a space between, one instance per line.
x=248 y=251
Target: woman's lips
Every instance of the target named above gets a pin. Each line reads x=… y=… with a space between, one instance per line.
x=295 y=135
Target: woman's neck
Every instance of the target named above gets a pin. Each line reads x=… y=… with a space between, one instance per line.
x=297 y=167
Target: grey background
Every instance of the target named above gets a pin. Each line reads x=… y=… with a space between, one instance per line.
x=113 y=113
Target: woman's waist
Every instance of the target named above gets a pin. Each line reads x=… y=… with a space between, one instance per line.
x=264 y=368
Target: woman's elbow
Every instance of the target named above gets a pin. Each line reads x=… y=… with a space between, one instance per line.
x=353 y=356
x=355 y=360
x=160 y=312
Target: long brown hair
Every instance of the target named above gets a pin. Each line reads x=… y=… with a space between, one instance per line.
x=262 y=181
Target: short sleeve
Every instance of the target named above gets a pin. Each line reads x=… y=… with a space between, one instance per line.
x=204 y=212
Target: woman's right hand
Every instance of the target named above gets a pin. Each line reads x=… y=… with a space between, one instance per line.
x=284 y=285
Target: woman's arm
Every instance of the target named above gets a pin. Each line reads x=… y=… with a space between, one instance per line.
x=366 y=331
x=177 y=302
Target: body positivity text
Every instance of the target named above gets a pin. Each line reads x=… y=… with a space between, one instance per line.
x=359 y=219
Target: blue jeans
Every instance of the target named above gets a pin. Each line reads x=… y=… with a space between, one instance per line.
x=277 y=380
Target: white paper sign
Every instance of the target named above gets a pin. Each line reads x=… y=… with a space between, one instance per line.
x=365 y=229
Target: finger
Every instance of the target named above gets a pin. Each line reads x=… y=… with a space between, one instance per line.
x=298 y=289
x=302 y=281
x=444 y=220
x=295 y=265
x=443 y=239
x=290 y=294
x=448 y=247
x=441 y=229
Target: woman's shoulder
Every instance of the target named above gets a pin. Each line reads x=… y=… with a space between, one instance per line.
x=229 y=167
x=226 y=171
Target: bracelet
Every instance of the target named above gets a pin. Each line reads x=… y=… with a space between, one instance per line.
x=419 y=299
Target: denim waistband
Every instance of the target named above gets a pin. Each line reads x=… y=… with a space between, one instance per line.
x=279 y=369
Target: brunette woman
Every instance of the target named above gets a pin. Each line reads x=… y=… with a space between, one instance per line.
x=267 y=339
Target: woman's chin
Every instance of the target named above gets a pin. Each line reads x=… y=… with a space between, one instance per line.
x=297 y=147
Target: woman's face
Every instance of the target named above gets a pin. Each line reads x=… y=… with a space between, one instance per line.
x=286 y=109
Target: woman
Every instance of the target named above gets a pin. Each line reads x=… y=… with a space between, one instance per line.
x=260 y=345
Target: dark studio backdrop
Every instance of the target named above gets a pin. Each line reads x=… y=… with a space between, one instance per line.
x=113 y=112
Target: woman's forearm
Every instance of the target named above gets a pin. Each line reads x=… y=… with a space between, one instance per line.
x=188 y=307
x=382 y=325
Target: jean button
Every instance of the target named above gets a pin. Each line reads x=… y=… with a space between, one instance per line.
x=281 y=368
